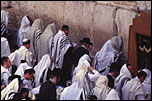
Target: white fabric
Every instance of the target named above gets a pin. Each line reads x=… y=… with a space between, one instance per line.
x=25 y=54
x=43 y=64
x=36 y=90
x=43 y=42
x=53 y=27
x=5 y=49
x=12 y=87
x=112 y=95
x=4 y=17
x=4 y=70
x=147 y=84
x=107 y=54
x=124 y=72
x=25 y=25
x=132 y=89
x=20 y=70
x=34 y=34
x=27 y=84
x=59 y=45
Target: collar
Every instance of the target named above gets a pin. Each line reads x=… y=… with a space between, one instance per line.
x=84 y=47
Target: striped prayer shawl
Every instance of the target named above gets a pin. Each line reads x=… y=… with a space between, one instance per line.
x=3 y=27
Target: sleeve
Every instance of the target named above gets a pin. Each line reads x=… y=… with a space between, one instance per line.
x=5 y=77
x=140 y=97
x=94 y=77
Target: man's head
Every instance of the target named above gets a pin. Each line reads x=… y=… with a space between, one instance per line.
x=29 y=74
x=65 y=29
x=5 y=62
x=114 y=70
x=132 y=70
x=26 y=43
x=86 y=42
x=142 y=75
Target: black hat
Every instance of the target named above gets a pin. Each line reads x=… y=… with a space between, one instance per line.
x=86 y=40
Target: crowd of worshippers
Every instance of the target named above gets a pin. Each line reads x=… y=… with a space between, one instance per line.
x=47 y=65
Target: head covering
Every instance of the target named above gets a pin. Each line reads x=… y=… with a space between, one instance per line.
x=53 y=27
x=43 y=64
x=25 y=25
x=86 y=40
x=5 y=49
x=4 y=21
x=26 y=41
x=112 y=95
x=109 y=53
x=12 y=87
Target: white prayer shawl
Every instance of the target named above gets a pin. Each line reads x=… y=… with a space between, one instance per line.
x=25 y=54
x=25 y=25
x=34 y=34
x=132 y=89
x=60 y=43
x=43 y=42
x=124 y=72
x=43 y=65
x=147 y=84
x=112 y=95
x=4 y=21
x=109 y=53
x=36 y=90
x=53 y=27
x=4 y=70
x=20 y=70
x=5 y=49
x=11 y=87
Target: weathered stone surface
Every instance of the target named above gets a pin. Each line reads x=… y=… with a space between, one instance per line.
x=124 y=20
x=141 y=5
x=148 y=4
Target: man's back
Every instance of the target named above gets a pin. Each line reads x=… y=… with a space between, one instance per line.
x=47 y=91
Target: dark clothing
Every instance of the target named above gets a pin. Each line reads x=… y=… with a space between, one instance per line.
x=110 y=81
x=47 y=91
x=78 y=53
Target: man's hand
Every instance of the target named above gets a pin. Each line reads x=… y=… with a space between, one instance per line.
x=90 y=68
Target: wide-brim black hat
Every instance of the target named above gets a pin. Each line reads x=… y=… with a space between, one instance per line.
x=86 y=40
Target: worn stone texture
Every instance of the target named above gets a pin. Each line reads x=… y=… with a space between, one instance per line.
x=99 y=20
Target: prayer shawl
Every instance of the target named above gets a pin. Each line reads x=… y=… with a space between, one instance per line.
x=25 y=54
x=124 y=72
x=147 y=84
x=132 y=89
x=43 y=42
x=4 y=70
x=112 y=95
x=25 y=25
x=42 y=66
x=4 y=21
x=59 y=44
x=8 y=92
x=34 y=34
x=5 y=49
x=109 y=53
x=78 y=87
x=15 y=60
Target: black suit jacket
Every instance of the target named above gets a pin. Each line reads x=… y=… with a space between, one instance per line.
x=110 y=81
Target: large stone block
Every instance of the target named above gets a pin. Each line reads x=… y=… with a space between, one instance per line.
x=124 y=20
x=148 y=3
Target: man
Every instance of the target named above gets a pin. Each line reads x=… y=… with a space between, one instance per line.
x=28 y=77
x=80 y=51
x=59 y=44
x=5 y=64
x=24 y=52
x=48 y=89
x=113 y=73
x=127 y=72
x=110 y=52
x=133 y=89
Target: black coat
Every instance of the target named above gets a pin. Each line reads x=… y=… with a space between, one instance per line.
x=47 y=91
x=110 y=81
x=78 y=53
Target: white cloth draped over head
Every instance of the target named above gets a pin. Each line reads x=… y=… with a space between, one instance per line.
x=124 y=72
x=112 y=95
x=13 y=86
x=34 y=34
x=43 y=43
x=147 y=84
x=5 y=49
x=25 y=54
x=43 y=65
x=131 y=89
x=4 y=70
x=80 y=63
x=4 y=21
x=109 y=53
x=25 y=25
x=59 y=44
x=78 y=86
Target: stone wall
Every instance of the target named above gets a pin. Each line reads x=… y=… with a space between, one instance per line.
x=99 y=20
